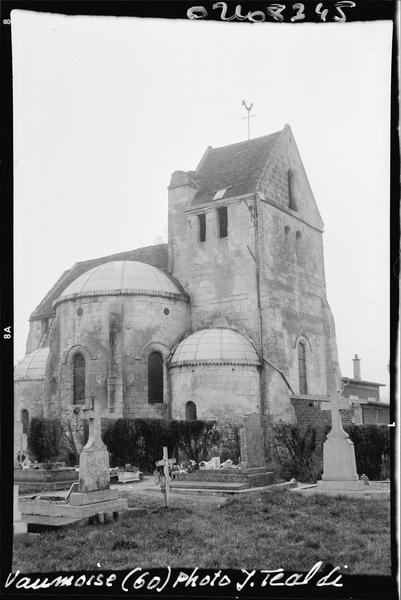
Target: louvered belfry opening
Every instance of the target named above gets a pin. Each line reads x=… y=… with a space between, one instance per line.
x=155 y=378
x=303 y=384
x=202 y=227
x=223 y=221
x=78 y=367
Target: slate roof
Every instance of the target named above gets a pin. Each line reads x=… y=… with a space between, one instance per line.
x=236 y=167
x=153 y=255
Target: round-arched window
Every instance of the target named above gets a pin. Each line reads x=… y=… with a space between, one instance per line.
x=190 y=411
x=78 y=375
x=155 y=378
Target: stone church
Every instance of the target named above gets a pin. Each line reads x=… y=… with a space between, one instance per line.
x=229 y=317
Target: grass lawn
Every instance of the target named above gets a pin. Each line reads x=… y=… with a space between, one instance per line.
x=269 y=530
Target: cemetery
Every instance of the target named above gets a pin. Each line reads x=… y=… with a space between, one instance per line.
x=208 y=513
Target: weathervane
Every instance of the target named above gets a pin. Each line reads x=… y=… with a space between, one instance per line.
x=249 y=116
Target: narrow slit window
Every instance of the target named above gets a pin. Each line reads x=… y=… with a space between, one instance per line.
x=299 y=248
x=78 y=368
x=223 y=221
x=202 y=227
x=155 y=378
x=303 y=384
x=291 y=194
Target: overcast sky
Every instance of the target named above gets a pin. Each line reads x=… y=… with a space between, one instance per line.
x=106 y=108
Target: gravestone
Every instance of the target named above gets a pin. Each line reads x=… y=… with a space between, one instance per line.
x=94 y=468
x=20 y=439
x=19 y=526
x=252 y=472
x=339 y=465
x=252 y=443
x=94 y=499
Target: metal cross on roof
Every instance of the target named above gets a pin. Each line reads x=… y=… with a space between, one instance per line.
x=249 y=116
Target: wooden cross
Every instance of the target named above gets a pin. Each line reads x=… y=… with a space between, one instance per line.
x=165 y=462
x=249 y=116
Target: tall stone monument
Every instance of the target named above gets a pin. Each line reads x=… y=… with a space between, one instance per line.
x=94 y=472
x=94 y=497
x=252 y=443
x=339 y=465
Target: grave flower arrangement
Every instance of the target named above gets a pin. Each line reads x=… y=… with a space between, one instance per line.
x=130 y=468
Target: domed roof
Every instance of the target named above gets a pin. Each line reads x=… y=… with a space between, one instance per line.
x=121 y=277
x=219 y=345
x=33 y=366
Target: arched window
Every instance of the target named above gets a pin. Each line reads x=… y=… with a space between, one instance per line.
x=78 y=374
x=291 y=194
x=303 y=384
x=190 y=411
x=286 y=232
x=155 y=378
x=25 y=420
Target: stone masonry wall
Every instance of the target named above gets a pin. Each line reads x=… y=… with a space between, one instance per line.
x=292 y=281
x=139 y=324
x=221 y=392
x=219 y=273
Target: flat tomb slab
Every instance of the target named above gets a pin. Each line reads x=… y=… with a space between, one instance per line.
x=81 y=498
x=209 y=485
x=367 y=493
x=36 y=507
x=223 y=475
x=250 y=479
x=38 y=523
x=128 y=476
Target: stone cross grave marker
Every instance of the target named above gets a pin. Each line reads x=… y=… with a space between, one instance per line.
x=252 y=443
x=339 y=466
x=94 y=471
x=165 y=462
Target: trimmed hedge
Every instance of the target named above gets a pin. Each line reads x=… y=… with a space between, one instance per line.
x=372 y=449
x=140 y=441
x=45 y=439
x=297 y=450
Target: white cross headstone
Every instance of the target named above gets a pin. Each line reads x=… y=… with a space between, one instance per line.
x=337 y=403
x=339 y=465
x=95 y=429
x=165 y=462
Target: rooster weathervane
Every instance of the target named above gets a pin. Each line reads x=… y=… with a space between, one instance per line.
x=249 y=116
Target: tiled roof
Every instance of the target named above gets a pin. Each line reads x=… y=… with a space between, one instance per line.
x=236 y=167
x=153 y=255
x=121 y=277
x=216 y=345
x=32 y=366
